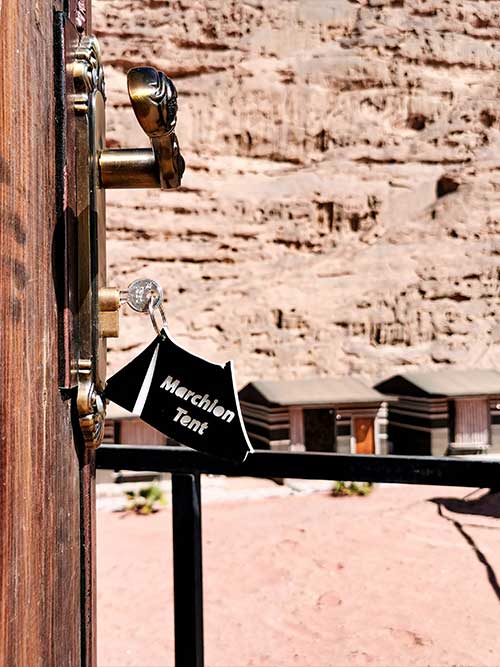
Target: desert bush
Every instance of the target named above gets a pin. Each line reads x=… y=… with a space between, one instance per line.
x=352 y=488
x=146 y=500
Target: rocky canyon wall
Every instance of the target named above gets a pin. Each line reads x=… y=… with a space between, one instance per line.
x=340 y=211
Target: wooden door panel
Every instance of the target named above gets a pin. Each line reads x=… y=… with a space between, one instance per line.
x=319 y=429
x=363 y=428
x=40 y=462
x=472 y=422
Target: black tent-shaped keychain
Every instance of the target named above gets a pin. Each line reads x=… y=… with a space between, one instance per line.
x=184 y=396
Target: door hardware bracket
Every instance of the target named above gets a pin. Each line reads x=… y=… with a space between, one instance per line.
x=89 y=102
x=154 y=100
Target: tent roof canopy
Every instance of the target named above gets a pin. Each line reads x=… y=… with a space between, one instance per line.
x=312 y=391
x=441 y=383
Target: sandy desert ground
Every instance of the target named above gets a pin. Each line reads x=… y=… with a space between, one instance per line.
x=404 y=577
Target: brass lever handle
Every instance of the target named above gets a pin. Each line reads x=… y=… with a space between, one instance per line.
x=154 y=100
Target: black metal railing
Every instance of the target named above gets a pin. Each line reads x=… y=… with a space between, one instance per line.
x=186 y=465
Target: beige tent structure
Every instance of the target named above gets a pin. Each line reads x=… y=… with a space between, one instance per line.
x=338 y=414
x=442 y=412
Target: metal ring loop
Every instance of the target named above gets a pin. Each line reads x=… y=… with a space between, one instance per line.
x=151 y=308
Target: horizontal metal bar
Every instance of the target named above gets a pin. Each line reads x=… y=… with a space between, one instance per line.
x=307 y=465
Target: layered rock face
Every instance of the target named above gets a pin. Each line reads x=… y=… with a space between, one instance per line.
x=340 y=211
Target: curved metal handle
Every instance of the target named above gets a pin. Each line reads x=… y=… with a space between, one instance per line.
x=154 y=100
x=153 y=97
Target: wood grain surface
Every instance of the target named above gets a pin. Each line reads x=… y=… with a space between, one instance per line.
x=364 y=435
x=40 y=521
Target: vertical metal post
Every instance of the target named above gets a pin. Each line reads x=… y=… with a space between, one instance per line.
x=188 y=580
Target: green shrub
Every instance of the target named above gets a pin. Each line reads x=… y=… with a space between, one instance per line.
x=352 y=488
x=146 y=500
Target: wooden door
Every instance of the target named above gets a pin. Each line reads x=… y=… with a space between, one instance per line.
x=364 y=436
x=319 y=429
x=46 y=478
x=472 y=423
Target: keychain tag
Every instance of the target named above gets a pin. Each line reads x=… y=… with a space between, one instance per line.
x=185 y=397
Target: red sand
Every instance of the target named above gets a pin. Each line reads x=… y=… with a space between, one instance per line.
x=312 y=581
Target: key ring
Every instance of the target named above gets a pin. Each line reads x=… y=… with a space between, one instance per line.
x=153 y=304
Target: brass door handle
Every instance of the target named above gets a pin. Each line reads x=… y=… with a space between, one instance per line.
x=154 y=100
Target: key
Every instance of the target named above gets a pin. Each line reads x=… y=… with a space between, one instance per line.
x=141 y=293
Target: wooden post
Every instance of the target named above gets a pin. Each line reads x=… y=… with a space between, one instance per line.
x=41 y=465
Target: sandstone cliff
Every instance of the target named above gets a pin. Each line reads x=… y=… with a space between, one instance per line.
x=341 y=206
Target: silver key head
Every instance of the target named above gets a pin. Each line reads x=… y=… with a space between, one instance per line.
x=142 y=292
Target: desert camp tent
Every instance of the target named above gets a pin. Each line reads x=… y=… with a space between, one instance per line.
x=339 y=414
x=444 y=412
